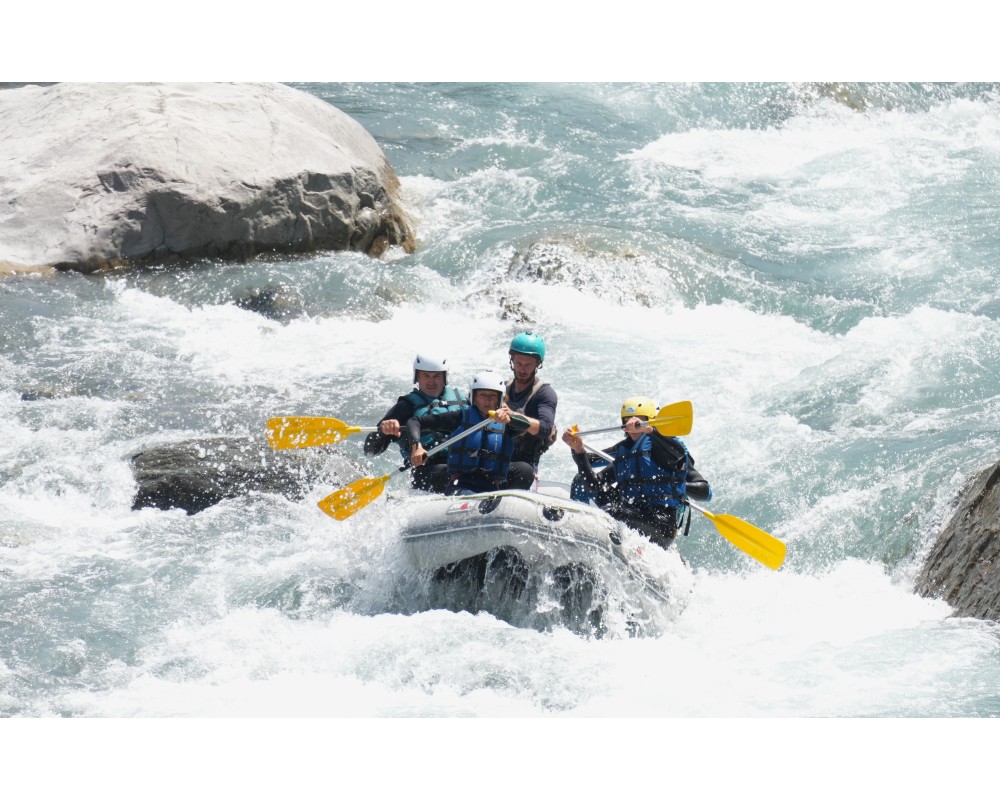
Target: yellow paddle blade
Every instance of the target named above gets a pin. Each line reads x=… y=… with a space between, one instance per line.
x=758 y=544
x=345 y=502
x=284 y=433
x=677 y=419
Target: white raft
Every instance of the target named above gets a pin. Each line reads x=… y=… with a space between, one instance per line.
x=549 y=532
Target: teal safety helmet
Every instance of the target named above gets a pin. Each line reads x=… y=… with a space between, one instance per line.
x=530 y=344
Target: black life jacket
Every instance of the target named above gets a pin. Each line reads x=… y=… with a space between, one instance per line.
x=526 y=445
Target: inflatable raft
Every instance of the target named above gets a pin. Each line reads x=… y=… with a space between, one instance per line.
x=541 y=559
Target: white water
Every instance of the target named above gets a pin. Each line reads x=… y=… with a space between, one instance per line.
x=822 y=289
x=832 y=634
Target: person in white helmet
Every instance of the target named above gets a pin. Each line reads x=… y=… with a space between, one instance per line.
x=650 y=479
x=481 y=461
x=431 y=395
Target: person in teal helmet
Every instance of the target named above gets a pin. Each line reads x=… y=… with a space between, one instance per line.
x=431 y=395
x=534 y=400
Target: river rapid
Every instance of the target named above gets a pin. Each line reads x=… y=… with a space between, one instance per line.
x=814 y=267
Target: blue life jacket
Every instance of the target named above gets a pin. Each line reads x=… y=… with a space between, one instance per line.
x=641 y=479
x=487 y=451
x=423 y=404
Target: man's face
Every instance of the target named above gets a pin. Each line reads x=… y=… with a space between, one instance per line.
x=431 y=383
x=524 y=367
x=486 y=400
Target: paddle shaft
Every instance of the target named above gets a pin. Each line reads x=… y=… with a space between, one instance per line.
x=463 y=434
x=600 y=430
x=445 y=444
x=595 y=451
x=346 y=502
x=654 y=422
x=697 y=507
x=667 y=414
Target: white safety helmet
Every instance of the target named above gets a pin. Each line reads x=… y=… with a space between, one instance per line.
x=487 y=380
x=430 y=364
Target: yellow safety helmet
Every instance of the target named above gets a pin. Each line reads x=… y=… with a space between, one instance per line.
x=639 y=406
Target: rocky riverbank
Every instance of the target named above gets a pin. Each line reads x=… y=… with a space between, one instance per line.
x=963 y=566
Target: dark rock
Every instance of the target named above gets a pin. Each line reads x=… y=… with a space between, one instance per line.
x=275 y=301
x=963 y=567
x=45 y=393
x=197 y=474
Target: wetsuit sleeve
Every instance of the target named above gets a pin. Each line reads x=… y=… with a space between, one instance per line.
x=596 y=483
x=432 y=422
x=544 y=410
x=670 y=454
x=377 y=442
x=697 y=486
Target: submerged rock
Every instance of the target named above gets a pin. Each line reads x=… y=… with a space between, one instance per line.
x=617 y=275
x=197 y=474
x=274 y=301
x=110 y=174
x=47 y=392
x=963 y=567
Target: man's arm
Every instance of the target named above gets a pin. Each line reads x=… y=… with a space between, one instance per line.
x=540 y=412
x=378 y=441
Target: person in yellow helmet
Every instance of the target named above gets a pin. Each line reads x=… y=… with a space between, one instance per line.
x=651 y=476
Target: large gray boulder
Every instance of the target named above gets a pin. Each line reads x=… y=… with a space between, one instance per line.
x=110 y=174
x=963 y=567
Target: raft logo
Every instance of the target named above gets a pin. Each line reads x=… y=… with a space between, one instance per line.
x=458 y=508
